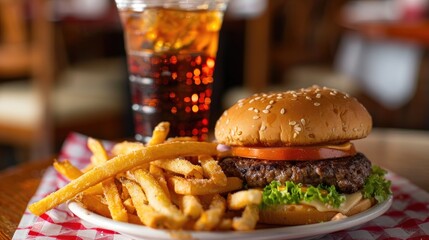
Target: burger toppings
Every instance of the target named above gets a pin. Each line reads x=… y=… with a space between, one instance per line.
x=376 y=185
x=347 y=174
x=294 y=193
x=326 y=198
x=295 y=153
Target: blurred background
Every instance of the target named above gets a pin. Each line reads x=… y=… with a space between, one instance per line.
x=63 y=65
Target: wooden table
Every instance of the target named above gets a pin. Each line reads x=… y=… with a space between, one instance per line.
x=403 y=151
x=17 y=186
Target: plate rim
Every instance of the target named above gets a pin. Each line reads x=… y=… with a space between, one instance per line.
x=290 y=232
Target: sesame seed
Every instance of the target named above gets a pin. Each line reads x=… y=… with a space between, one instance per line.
x=268 y=107
x=263 y=128
x=257 y=98
x=282 y=111
x=316 y=104
x=303 y=121
x=256 y=110
x=318 y=95
x=292 y=123
x=251 y=100
x=265 y=111
x=294 y=95
x=279 y=97
x=272 y=102
x=332 y=93
x=256 y=117
x=297 y=128
x=307 y=97
x=250 y=109
x=240 y=104
x=294 y=135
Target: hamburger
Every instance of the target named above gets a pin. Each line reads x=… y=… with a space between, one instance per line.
x=296 y=146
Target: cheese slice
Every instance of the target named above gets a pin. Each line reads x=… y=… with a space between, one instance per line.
x=344 y=147
x=349 y=203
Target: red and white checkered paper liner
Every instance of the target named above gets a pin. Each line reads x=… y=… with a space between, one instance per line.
x=408 y=218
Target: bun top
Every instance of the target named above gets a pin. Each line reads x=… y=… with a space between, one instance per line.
x=307 y=116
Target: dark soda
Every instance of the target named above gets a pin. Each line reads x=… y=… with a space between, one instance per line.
x=171 y=58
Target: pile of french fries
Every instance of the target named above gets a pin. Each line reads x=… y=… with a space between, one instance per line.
x=167 y=184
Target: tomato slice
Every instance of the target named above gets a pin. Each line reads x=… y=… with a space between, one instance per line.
x=295 y=153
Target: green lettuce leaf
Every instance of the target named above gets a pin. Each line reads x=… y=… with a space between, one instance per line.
x=275 y=193
x=376 y=185
x=293 y=193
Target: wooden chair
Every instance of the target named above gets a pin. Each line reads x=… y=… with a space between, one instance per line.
x=41 y=108
x=26 y=52
x=288 y=34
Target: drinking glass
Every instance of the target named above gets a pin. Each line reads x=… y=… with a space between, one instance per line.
x=171 y=50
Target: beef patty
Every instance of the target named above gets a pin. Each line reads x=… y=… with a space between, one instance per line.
x=347 y=174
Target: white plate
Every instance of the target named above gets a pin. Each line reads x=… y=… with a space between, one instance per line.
x=292 y=232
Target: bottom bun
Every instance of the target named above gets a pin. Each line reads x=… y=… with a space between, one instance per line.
x=296 y=214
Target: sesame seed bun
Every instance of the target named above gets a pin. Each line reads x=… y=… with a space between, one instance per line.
x=309 y=116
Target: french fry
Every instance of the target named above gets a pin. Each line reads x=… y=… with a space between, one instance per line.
x=180 y=166
x=94 y=203
x=67 y=169
x=158 y=199
x=110 y=190
x=71 y=172
x=114 y=201
x=159 y=133
x=191 y=206
x=248 y=219
x=212 y=170
x=241 y=199
x=203 y=186
x=121 y=163
x=147 y=215
x=126 y=147
x=124 y=191
x=159 y=175
x=98 y=151
x=128 y=204
x=210 y=218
